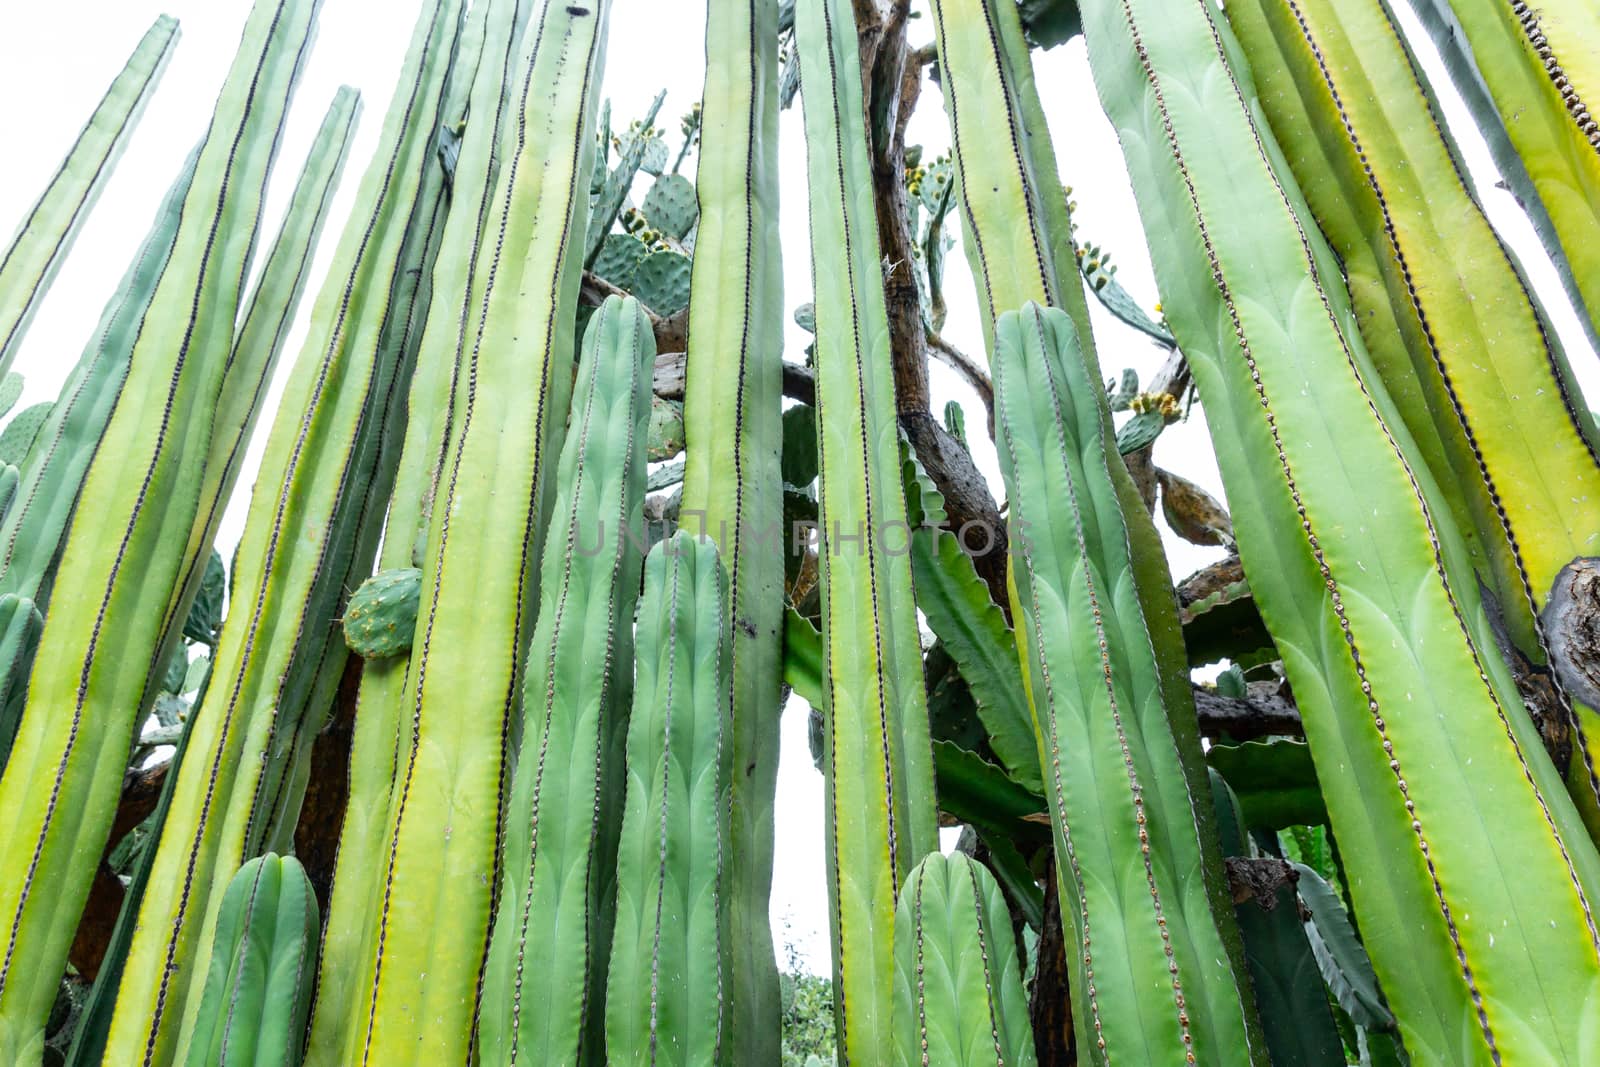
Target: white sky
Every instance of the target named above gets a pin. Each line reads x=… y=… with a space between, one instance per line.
x=56 y=60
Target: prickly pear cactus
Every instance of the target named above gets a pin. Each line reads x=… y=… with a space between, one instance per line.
x=17 y=437
x=382 y=615
x=258 y=990
x=662 y=282
x=671 y=207
x=619 y=259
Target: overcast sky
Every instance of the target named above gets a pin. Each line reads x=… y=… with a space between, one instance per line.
x=56 y=60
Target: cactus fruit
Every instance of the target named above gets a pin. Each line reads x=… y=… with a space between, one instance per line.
x=959 y=1000
x=381 y=617
x=257 y=990
x=664 y=988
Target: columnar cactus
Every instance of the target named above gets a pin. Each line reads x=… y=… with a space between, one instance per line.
x=257 y=993
x=666 y=1000
x=1455 y=333
x=310 y=523
x=988 y=73
x=50 y=477
x=544 y=985
x=958 y=1000
x=494 y=34
x=1533 y=72
x=877 y=754
x=129 y=542
x=29 y=264
x=1440 y=791
x=438 y=866
x=256 y=347
x=731 y=480
x=1124 y=821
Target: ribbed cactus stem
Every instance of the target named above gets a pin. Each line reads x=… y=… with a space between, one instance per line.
x=666 y=1001
x=878 y=761
x=731 y=480
x=1453 y=827
x=29 y=264
x=257 y=991
x=959 y=1000
x=439 y=863
x=544 y=986
x=1123 y=818
x=309 y=524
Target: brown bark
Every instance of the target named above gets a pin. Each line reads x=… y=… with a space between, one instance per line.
x=1050 y=1006
x=316 y=835
x=972 y=512
x=141 y=791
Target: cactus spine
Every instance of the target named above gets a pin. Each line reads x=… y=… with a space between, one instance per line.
x=439 y=856
x=544 y=985
x=732 y=483
x=665 y=1000
x=29 y=264
x=958 y=987
x=308 y=527
x=1430 y=279
x=257 y=990
x=129 y=543
x=878 y=759
x=1438 y=787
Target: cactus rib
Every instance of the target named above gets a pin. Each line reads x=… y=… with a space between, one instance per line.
x=95 y=653
x=1402 y=804
x=42 y=242
x=731 y=479
x=878 y=767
